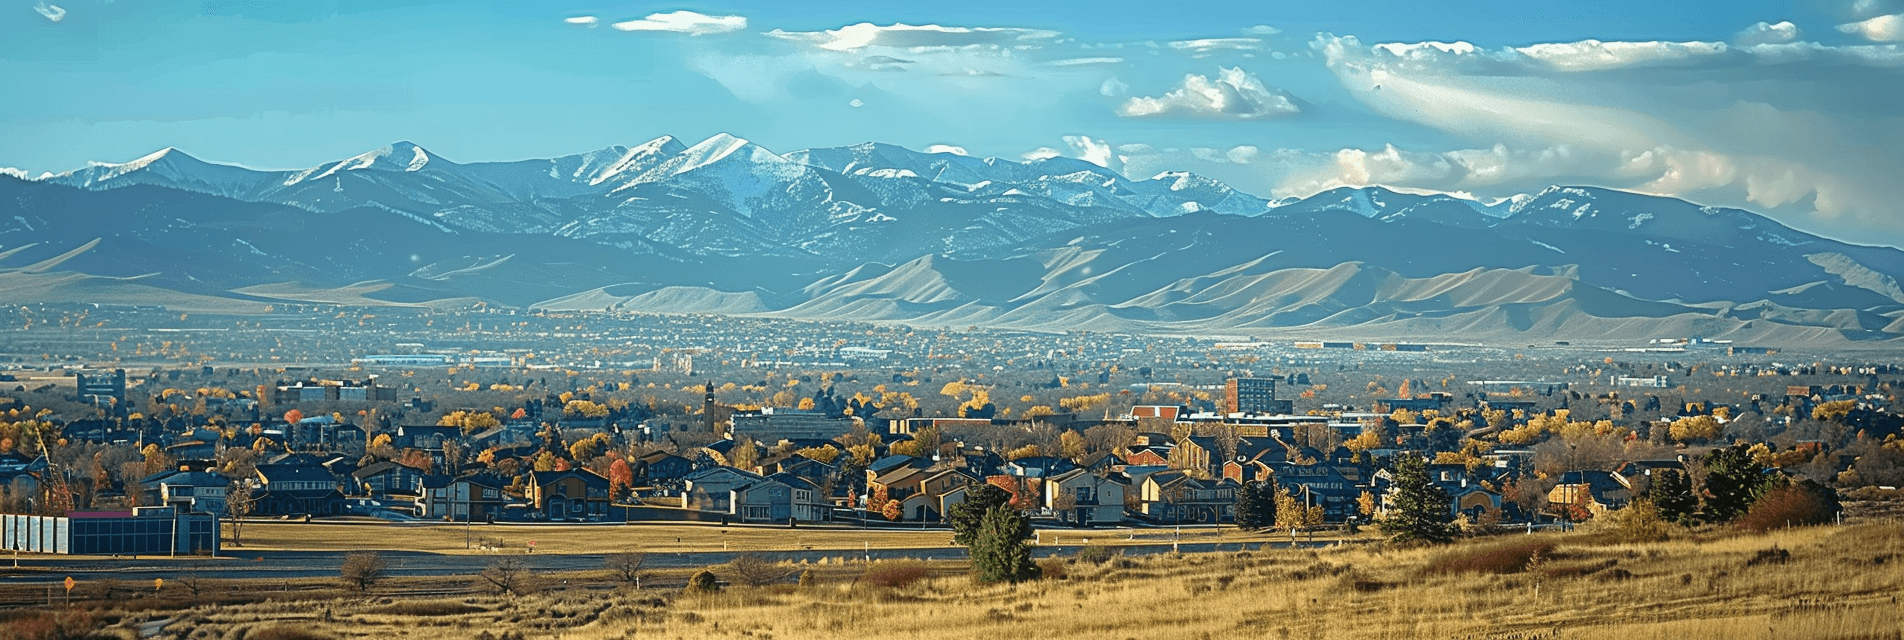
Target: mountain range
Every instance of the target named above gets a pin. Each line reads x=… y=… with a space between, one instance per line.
x=877 y=232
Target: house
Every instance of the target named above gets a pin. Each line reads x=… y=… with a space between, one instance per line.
x=379 y=479
x=296 y=488
x=711 y=489
x=1038 y=466
x=1099 y=462
x=924 y=496
x=1637 y=475
x=662 y=469
x=1598 y=491
x=187 y=491
x=1202 y=453
x=809 y=501
x=1319 y=485
x=1084 y=498
x=1176 y=496
x=887 y=464
x=1147 y=455
x=576 y=494
x=1466 y=496
x=463 y=499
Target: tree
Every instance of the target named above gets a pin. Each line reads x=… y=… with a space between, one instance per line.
x=758 y=572
x=508 y=576
x=1419 y=512
x=893 y=510
x=620 y=476
x=1733 y=482
x=1256 y=505
x=1000 y=553
x=238 y=504
x=1672 y=495
x=968 y=516
x=625 y=567
x=363 y=570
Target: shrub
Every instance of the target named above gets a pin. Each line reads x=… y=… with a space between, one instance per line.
x=1796 y=505
x=808 y=578
x=1639 y=522
x=894 y=574
x=1053 y=568
x=1501 y=558
x=1773 y=555
x=1097 y=554
x=47 y=625
x=704 y=582
x=428 y=609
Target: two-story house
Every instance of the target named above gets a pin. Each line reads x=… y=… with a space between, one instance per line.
x=1084 y=498
x=576 y=494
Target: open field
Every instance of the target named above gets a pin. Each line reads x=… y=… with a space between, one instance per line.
x=670 y=538
x=1837 y=583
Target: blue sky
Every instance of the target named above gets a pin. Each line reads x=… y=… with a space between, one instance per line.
x=1787 y=108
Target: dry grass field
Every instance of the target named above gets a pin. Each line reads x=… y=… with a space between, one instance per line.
x=662 y=538
x=1825 y=583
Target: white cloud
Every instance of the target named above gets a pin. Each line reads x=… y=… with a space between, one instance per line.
x=856 y=103
x=1207 y=46
x=1594 y=55
x=946 y=148
x=584 y=21
x=1113 y=87
x=1768 y=33
x=1078 y=62
x=1233 y=95
x=50 y=12
x=1885 y=28
x=1261 y=30
x=915 y=37
x=1097 y=152
x=1042 y=153
x=1788 y=128
x=688 y=22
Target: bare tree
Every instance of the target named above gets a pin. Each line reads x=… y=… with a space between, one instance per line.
x=625 y=567
x=363 y=570
x=238 y=504
x=509 y=576
x=757 y=571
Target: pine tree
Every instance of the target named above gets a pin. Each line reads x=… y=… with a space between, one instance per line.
x=1733 y=482
x=1256 y=505
x=1000 y=554
x=1419 y=512
x=1672 y=494
x=969 y=516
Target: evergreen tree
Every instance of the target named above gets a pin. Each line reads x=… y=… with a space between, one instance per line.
x=1733 y=482
x=1256 y=505
x=1419 y=513
x=1672 y=494
x=969 y=516
x=1000 y=554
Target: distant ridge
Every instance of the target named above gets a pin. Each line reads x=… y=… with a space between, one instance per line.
x=877 y=232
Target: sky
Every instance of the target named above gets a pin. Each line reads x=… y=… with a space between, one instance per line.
x=1792 y=109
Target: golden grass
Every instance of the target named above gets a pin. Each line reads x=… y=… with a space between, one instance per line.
x=1840 y=583
x=662 y=538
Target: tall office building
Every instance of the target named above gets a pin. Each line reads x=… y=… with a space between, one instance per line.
x=1251 y=395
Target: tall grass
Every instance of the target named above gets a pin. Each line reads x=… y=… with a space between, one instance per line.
x=1831 y=583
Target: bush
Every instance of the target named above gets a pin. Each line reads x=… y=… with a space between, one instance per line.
x=426 y=608
x=1053 y=568
x=1796 y=505
x=1501 y=558
x=1097 y=554
x=894 y=574
x=1773 y=555
x=47 y=625
x=704 y=582
x=1639 y=522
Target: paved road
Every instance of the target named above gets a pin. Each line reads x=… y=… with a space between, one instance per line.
x=283 y=565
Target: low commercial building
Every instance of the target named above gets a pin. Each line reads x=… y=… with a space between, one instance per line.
x=143 y=531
